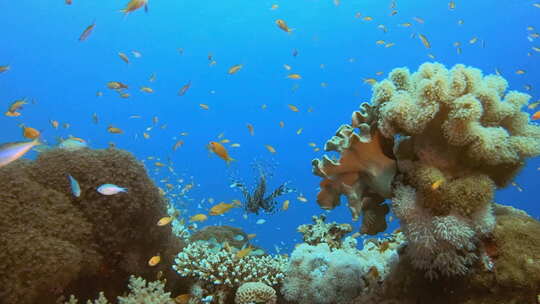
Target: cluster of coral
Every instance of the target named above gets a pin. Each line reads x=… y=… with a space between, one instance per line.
x=54 y=243
x=437 y=142
x=337 y=272
x=219 y=269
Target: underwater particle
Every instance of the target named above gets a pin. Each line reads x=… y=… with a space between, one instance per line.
x=220 y=151
x=281 y=124
x=10 y=152
x=154 y=260
x=4 y=68
x=419 y=20
x=147 y=89
x=164 y=221
x=425 y=41
x=283 y=26
x=136 y=54
x=29 y=132
x=110 y=189
x=293 y=108
x=260 y=221
x=74 y=185
x=134 y=5
x=114 y=130
x=295 y=52
x=95 y=118
x=287 y=67
x=251 y=129
x=87 y=31
x=204 y=106
x=124 y=57
x=234 y=69
x=183 y=90
x=198 y=218
x=270 y=149
x=294 y=76
x=152 y=77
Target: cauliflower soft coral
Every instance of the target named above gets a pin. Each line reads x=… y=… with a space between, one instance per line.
x=456 y=136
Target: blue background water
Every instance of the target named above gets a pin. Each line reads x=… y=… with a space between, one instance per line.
x=50 y=66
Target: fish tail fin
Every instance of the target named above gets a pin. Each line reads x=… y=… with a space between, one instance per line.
x=229 y=160
x=290 y=30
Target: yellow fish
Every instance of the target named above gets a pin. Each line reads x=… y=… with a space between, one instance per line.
x=294 y=76
x=270 y=149
x=154 y=261
x=204 y=106
x=165 y=220
x=4 y=68
x=178 y=144
x=220 y=151
x=124 y=57
x=293 y=108
x=451 y=5
x=281 y=124
x=520 y=72
x=425 y=41
x=114 y=130
x=302 y=198
x=251 y=236
x=147 y=90
x=54 y=124
x=243 y=252
x=134 y=5
x=221 y=208
x=274 y=7
x=198 y=218
x=285 y=205
x=116 y=85
x=16 y=105
x=234 y=69
x=283 y=25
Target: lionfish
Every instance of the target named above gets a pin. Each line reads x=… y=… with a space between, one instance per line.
x=256 y=200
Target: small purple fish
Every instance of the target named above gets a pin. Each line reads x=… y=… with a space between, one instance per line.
x=110 y=189
x=10 y=152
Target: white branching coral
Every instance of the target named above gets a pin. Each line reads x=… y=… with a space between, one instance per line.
x=219 y=266
x=140 y=292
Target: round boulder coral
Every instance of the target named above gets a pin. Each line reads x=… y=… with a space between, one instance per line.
x=255 y=292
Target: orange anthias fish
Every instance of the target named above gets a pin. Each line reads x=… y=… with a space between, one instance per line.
x=536 y=115
x=220 y=151
x=283 y=25
x=234 y=69
x=184 y=88
x=134 y=5
x=154 y=260
x=87 y=31
x=30 y=133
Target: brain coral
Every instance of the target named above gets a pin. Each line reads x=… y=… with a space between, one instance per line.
x=438 y=142
x=255 y=292
x=54 y=243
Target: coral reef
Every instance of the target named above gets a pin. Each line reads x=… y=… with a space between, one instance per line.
x=319 y=274
x=219 y=269
x=140 y=292
x=513 y=250
x=255 y=292
x=54 y=243
x=438 y=142
x=321 y=232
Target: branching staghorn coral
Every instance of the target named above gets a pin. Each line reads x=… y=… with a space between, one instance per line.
x=219 y=270
x=457 y=136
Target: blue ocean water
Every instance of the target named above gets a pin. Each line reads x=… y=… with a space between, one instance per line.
x=62 y=75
